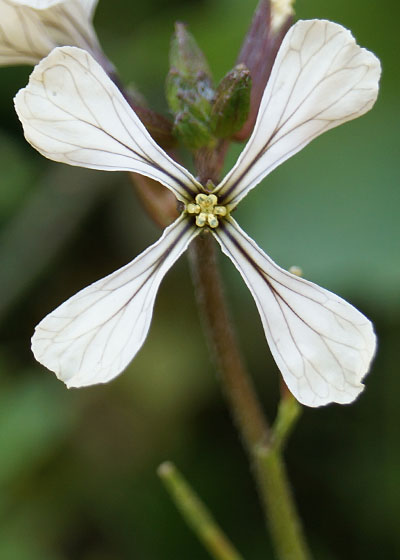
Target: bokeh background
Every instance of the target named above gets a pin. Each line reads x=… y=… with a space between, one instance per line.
x=78 y=468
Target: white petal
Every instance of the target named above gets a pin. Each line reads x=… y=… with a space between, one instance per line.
x=23 y=36
x=322 y=344
x=37 y=4
x=93 y=336
x=73 y=113
x=88 y=5
x=30 y=29
x=321 y=78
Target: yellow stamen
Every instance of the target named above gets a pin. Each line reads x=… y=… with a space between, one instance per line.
x=207 y=209
x=201 y=219
x=193 y=208
x=220 y=211
x=212 y=221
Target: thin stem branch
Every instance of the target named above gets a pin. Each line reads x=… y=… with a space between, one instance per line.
x=264 y=445
x=283 y=520
x=196 y=514
x=289 y=411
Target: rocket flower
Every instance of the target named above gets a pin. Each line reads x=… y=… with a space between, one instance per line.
x=73 y=113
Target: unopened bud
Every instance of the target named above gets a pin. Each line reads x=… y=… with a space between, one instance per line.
x=186 y=56
x=178 y=90
x=296 y=270
x=232 y=102
x=281 y=11
x=185 y=94
x=189 y=90
x=271 y=21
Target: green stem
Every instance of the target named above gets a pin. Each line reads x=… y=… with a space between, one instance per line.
x=196 y=514
x=283 y=520
x=288 y=413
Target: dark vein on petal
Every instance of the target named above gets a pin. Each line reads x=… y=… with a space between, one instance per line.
x=270 y=143
x=152 y=270
x=280 y=300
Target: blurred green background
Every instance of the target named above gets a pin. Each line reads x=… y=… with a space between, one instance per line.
x=77 y=468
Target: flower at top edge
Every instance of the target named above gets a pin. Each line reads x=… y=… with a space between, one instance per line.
x=30 y=29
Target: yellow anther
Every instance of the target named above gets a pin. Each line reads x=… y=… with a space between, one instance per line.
x=193 y=208
x=220 y=211
x=207 y=202
x=201 y=219
x=201 y=198
x=205 y=206
x=212 y=199
x=212 y=221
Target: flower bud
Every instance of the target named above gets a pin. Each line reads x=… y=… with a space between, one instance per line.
x=189 y=90
x=271 y=21
x=186 y=56
x=232 y=102
x=183 y=93
x=281 y=12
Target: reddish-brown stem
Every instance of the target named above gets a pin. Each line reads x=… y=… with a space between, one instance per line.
x=235 y=380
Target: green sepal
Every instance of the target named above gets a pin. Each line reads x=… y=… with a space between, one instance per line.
x=183 y=93
x=194 y=132
x=231 y=103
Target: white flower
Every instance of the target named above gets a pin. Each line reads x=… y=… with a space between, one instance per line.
x=73 y=113
x=30 y=29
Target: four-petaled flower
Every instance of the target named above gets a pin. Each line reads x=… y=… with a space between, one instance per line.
x=30 y=29
x=73 y=113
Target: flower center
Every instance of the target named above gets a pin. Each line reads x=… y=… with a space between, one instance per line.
x=206 y=210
